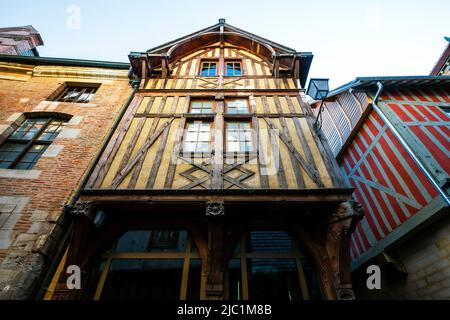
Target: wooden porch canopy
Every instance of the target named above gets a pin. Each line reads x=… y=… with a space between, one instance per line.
x=284 y=60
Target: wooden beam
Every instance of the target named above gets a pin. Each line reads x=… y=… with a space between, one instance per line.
x=141 y=153
x=310 y=170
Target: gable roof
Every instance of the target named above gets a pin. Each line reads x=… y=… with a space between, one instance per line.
x=227 y=29
x=298 y=63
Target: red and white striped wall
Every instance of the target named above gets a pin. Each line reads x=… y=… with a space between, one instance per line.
x=387 y=181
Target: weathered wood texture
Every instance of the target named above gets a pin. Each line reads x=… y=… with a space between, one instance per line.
x=146 y=151
x=257 y=73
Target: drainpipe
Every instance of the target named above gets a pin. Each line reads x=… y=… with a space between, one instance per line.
x=406 y=146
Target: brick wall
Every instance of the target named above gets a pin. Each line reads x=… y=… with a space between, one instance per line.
x=31 y=202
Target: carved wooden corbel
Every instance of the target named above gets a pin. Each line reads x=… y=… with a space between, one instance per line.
x=215 y=209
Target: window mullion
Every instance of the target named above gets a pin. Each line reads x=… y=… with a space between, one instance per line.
x=82 y=91
x=30 y=144
x=62 y=94
x=69 y=91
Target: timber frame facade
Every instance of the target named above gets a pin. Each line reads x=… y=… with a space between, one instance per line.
x=249 y=163
x=390 y=136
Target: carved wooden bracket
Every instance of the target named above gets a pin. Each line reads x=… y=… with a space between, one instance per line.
x=81 y=208
x=215 y=209
x=329 y=245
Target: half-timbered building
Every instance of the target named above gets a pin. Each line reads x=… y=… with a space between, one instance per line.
x=214 y=183
x=390 y=136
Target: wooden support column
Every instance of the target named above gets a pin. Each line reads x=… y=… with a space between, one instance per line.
x=81 y=232
x=164 y=68
x=215 y=212
x=143 y=73
x=217 y=172
x=329 y=246
x=88 y=241
x=342 y=226
x=296 y=68
x=276 y=67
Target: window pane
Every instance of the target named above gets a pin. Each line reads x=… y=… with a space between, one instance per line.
x=201 y=107
x=139 y=279
x=9 y=153
x=28 y=129
x=197 y=137
x=77 y=94
x=204 y=72
x=238 y=137
x=194 y=279
x=233 y=69
x=194 y=126
x=269 y=241
x=189 y=147
x=203 y=136
x=212 y=70
x=237 y=106
x=233 y=147
x=31 y=157
x=152 y=241
x=229 y=69
x=191 y=136
x=208 y=69
x=234 y=280
x=202 y=147
x=24 y=166
x=273 y=279
x=53 y=129
x=232 y=136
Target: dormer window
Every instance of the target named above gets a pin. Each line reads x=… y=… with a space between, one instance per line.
x=209 y=69
x=233 y=68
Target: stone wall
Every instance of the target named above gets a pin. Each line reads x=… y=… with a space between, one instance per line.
x=426 y=260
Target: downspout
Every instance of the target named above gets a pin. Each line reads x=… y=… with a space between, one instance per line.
x=406 y=146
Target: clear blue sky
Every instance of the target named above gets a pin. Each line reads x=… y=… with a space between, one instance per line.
x=348 y=38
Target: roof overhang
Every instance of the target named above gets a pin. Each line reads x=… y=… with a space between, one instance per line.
x=389 y=82
x=64 y=62
x=297 y=63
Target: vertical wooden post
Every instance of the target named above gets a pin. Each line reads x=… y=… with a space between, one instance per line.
x=81 y=232
x=217 y=178
x=329 y=247
x=143 y=73
x=216 y=251
x=164 y=68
